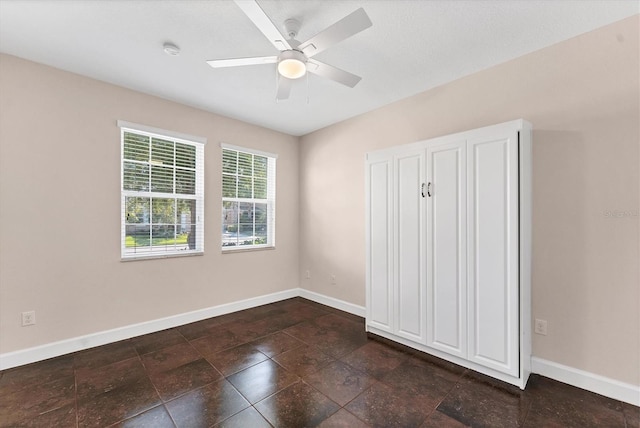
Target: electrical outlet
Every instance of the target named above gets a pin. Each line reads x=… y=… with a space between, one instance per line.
x=541 y=327
x=333 y=280
x=308 y=274
x=28 y=318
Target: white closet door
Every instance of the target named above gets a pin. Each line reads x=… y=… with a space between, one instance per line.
x=446 y=248
x=493 y=249
x=380 y=243
x=410 y=311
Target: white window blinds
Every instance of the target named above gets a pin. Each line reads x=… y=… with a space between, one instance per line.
x=162 y=204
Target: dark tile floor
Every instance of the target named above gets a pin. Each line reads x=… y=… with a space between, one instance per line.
x=293 y=363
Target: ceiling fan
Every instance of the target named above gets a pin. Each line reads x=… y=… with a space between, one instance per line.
x=296 y=59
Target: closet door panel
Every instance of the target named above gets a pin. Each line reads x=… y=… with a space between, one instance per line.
x=448 y=264
x=446 y=248
x=493 y=251
x=380 y=245
x=409 y=284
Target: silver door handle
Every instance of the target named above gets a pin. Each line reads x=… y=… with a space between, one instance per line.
x=422 y=190
x=429 y=189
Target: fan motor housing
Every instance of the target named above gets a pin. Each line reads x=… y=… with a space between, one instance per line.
x=292 y=54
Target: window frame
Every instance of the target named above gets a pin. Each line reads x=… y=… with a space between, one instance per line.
x=270 y=200
x=198 y=196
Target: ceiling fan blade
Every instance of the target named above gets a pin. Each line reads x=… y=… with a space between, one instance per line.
x=284 y=88
x=343 y=29
x=255 y=13
x=236 y=62
x=333 y=73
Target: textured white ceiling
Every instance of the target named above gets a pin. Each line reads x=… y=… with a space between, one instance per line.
x=413 y=46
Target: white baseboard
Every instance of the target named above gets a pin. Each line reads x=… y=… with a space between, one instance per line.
x=591 y=382
x=55 y=349
x=333 y=302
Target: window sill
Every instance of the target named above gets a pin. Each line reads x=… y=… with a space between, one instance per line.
x=231 y=250
x=160 y=256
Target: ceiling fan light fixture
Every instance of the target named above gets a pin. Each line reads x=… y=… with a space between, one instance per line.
x=292 y=64
x=292 y=68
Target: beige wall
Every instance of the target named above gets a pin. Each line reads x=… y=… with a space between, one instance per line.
x=60 y=211
x=582 y=98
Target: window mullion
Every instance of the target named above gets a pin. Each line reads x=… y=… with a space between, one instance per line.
x=237 y=224
x=158 y=195
x=237 y=173
x=149 y=162
x=253 y=221
x=175 y=222
x=253 y=177
x=174 y=168
x=151 y=222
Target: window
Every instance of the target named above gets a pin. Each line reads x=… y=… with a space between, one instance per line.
x=248 y=198
x=162 y=193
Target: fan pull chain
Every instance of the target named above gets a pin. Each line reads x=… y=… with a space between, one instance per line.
x=307 y=76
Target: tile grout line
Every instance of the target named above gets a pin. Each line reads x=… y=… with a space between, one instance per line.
x=299 y=378
x=139 y=357
x=75 y=393
x=162 y=402
x=341 y=407
x=526 y=415
x=225 y=377
x=457 y=382
x=269 y=358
